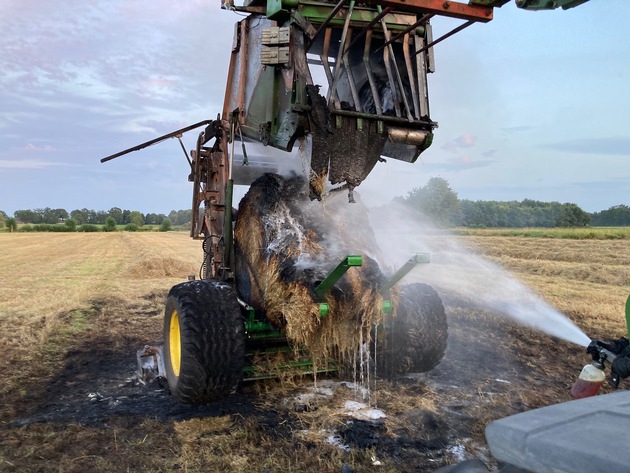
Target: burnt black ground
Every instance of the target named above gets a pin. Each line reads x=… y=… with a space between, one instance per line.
x=97 y=386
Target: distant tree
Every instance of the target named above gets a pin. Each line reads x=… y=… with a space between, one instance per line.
x=131 y=227
x=166 y=225
x=27 y=216
x=436 y=200
x=101 y=217
x=136 y=218
x=71 y=224
x=180 y=217
x=52 y=216
x=110 y=225
x=573 y=216
x=11 y=224
x=154 y=219
x=617 y=216
x=116 y=214
x=81 y=216
x=126 y=217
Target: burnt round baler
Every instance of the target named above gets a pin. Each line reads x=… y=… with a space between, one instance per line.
x=291 y=281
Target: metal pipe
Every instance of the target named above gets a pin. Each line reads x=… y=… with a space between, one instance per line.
x=422 y=124
x=442 y=38
x=156 y=140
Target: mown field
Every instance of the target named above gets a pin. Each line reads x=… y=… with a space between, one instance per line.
x=75 y=307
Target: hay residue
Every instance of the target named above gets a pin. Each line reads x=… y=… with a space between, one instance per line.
x=161 y=267
x=286 y=245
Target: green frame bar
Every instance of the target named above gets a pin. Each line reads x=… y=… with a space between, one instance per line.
x=334 y=276
x=405 y=269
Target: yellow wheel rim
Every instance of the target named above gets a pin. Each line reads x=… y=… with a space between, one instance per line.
x=175 y=343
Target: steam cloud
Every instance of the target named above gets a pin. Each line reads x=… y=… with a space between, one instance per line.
x=459 y=271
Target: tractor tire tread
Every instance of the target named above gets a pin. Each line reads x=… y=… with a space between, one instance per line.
x=416 y=340
x=212 y=341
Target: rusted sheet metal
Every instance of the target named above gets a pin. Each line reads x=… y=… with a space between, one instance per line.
x=448 y=8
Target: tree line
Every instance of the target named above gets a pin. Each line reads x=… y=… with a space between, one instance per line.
x=436 y=199
x=441 y=203
x=96 y=217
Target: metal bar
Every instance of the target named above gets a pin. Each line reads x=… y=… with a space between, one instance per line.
x=440 y=7
x=250 y=373
x=443 y=37
x=335 y=274
x=156 y=140
x=421 y=71
x=422 y=124
x=338 y=61
x=324 y=57
x=325 y=23
x=370 y=76
x=376 y=19
x=351 y=83
x=412 y=81
x=393 y=58
x=196 y=187
x=421 y=21
x=628 y=315
x=390 y=78
x=181 y=143
x=240 y=98
x=404 y=270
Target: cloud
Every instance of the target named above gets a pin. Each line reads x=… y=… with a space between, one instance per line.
x=516 y=129
x=41 y=149
x=464 y=141
x=617 y=146
x=489 y=153
x=27 y=164
x=461 y=163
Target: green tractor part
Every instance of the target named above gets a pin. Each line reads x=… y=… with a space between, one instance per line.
x=334 y=276
x=405 y=269
x=213 y=341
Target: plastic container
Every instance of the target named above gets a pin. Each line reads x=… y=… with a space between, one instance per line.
x=588 y=383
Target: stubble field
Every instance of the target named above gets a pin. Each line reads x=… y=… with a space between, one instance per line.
x=74 y=308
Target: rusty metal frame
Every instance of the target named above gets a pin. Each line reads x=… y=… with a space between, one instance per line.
x=462 y=11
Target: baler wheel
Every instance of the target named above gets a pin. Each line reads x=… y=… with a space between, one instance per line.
x=415 y=335
x=204 y=341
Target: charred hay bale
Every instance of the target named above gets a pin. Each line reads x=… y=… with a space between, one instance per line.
x=285 y=245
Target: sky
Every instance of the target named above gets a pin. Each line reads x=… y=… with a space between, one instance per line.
x=531 y=105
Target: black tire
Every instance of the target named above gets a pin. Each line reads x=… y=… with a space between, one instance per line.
x=205 y=321
x=414 y=337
